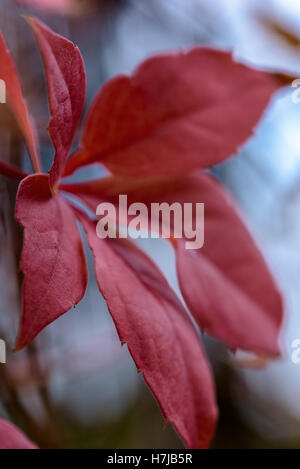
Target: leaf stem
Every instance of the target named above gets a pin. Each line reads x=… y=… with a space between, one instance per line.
x=35 y=160
x=12 y=171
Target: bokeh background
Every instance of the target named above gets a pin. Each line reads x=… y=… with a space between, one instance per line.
x=76 y=387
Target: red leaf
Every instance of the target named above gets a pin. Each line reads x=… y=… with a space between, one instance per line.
x=237 y=300
x=52 y=260
x=226 y=284
x=159 y=335
x=66 y=80
x=176 y=113
x=15 y=98
x=12 y=438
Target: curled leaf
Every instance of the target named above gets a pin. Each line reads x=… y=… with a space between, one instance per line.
x=66 y=80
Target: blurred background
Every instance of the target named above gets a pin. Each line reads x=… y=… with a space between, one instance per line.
x=76 y=387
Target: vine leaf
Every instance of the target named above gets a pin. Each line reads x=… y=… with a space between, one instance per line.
x=176 y=113
x=226 y=284
x=66 y=80
x=159 y=334
x=52 y=261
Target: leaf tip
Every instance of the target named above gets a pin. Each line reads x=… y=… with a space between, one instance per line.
x=29 y=18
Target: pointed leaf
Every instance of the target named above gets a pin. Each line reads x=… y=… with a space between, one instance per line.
x=52 y=259
x=15 y=98
x=176 y=113
x=12 y=438
x=226 y=284
x=159 y=334
x=66 y=81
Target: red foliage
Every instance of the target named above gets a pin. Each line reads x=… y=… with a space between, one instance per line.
x=160 y=336
x=225 y=284
x=190 y=104
x=66 y=80
x=176 y=113
x=52 y=258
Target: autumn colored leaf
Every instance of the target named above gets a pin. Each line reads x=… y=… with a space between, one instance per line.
x=66 y=80
x=177 y=112
x=15 y=98
x=226 y=284
x=53 y=260
x=159 y=335
x=12 y=438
